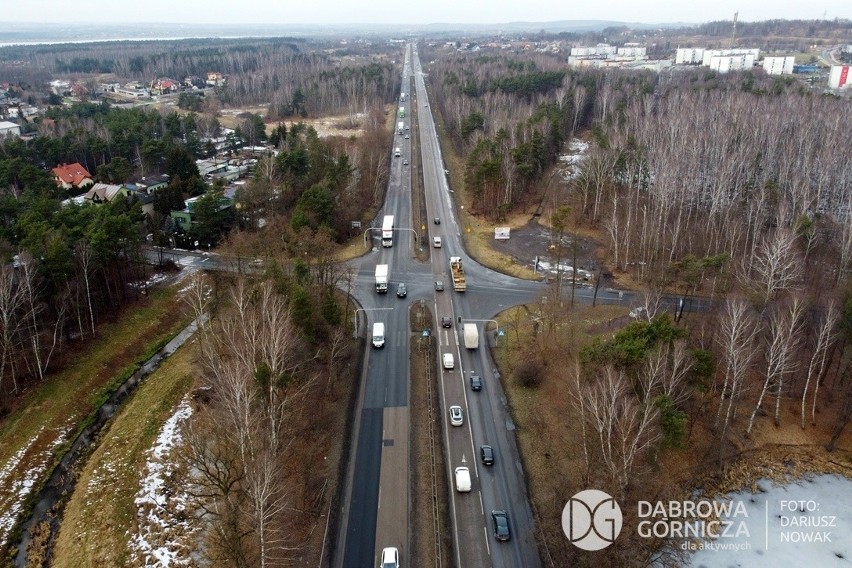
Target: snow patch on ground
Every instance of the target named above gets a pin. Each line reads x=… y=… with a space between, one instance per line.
x=566 y=269
x=577 y=151
x=19 y=476
x=806 y=523
x=162 y=516
x=153 y=280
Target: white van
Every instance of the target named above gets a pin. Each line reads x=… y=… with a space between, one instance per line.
x=378 y=335
x=436 y=242
x=449 y=362
x=462 y=479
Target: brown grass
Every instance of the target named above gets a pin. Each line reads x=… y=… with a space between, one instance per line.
x=47 y=415
x=546 y=413
x=101 y=514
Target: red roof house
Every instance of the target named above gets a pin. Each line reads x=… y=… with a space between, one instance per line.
x=69 y=176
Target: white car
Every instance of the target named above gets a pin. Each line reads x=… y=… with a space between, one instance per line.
x=390 y=558
x=449 y=361
x=456 y=416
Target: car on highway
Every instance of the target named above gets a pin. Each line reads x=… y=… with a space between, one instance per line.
x=407 y=136
x=475 y=383
x=401 y=292
x=439 y=285
x=501 y=525
x=390 y=558
x=456 y=416
x=437 y=220
x=462 y=479
x=486 y=454
x=449 y=362
x=446 y=321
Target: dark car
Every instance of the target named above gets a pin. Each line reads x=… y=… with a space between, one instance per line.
x=439 y=285
x=501 y=525
x=475 y=382
x=446 y=321
x=401 y=292
x=487 y=455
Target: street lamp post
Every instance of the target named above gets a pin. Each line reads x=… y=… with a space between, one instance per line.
x=355 y=329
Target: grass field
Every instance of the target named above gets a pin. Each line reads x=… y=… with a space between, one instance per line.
x=100 y=516
x=36 y=433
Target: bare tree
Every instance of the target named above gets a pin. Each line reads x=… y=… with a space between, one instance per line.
x=85 y=259
x=785 y=325
x=816 y=365
x=251 y=358
x=624 y=424
x=12 y=302
x=777 y=264
x=736 y=337
x=578 y=399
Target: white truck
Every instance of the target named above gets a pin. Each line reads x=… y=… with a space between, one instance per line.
x=397 y=152
x=471 y=336
x=387 y=231
x=400 y=127
x=382 y=278
x=378 y=335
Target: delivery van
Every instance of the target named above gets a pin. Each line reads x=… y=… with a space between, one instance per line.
x=378 y=335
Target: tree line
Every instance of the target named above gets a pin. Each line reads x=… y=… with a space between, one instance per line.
x=509 y=116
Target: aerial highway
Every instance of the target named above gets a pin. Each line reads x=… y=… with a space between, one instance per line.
x=375 y=510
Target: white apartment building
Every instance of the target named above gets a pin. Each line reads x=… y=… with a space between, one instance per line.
x=689 y=55
x=840 y=77
x=710 y=53
x=779 y=65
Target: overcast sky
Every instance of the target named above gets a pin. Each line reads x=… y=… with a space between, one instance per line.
x=418 y=12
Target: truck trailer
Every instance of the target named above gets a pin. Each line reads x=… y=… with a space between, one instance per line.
x=471 y=336
x=400 y=127
x=387 y=231
x=457 y=272
x=382 y=278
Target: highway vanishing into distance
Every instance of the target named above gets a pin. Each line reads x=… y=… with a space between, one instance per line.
x=376 y=507
x=377 y=499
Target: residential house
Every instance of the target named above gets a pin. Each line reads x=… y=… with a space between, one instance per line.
x=79 y=91
x=150 y=184
x=215 y=79
x=9 y=130
x=104 y=192
x=164 y=85
x=145 y=200
x=71 y=176
x=183 y=217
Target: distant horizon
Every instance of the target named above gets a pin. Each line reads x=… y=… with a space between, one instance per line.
x=435 y=12
x=415 y=24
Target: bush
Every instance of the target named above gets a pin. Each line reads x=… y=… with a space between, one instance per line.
x=530 y=373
